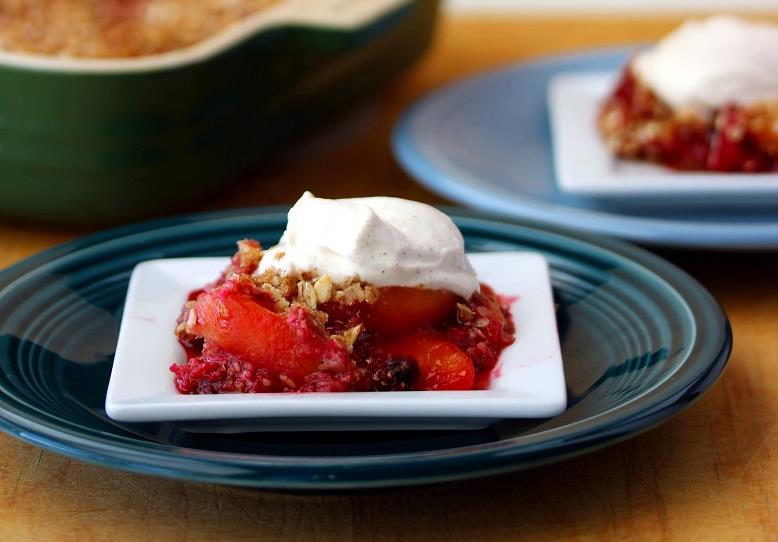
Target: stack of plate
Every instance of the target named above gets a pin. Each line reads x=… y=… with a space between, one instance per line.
x=639 y=338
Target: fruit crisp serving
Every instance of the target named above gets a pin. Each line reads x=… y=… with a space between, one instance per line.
x=267 y=325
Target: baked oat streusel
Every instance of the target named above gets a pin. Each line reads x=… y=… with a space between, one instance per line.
x=115 y=28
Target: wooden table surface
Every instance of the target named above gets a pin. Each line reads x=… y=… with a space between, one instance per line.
x=711 y=472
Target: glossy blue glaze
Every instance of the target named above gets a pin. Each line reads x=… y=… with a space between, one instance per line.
x=640 y=340
x=485 y=142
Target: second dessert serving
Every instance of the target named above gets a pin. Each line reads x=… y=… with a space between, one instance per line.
x=704 y=98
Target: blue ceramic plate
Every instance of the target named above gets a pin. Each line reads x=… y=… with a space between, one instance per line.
x=485 y=142
x=640 y=340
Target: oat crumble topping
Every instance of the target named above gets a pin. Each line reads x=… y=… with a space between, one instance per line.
x=115 y=28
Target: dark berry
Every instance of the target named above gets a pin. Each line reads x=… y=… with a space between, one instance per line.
x=395 y=374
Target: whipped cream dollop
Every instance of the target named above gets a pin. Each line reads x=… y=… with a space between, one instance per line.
x=380 y=240
x=705 y=64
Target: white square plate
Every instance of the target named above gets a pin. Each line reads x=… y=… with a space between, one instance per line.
x=584 y=166
x=528 y=381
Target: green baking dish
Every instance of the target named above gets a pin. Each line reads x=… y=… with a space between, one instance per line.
x=97 y=141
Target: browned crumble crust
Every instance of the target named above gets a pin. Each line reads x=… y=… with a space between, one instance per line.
x=115 y=28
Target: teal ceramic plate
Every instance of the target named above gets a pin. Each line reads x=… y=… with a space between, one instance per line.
x=640 y=341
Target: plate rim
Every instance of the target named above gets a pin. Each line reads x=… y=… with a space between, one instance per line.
x=470 y=191
x=386 y=470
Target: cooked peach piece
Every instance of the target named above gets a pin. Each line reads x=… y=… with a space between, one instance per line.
x=442 y=365
x=399 y=309
x=237 y=324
